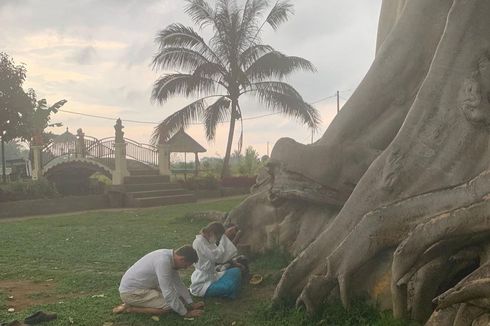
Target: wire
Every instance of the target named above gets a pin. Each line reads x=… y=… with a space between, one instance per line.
x=156 y=123
x=323 y=99
x=102 y=117
x=149 y=122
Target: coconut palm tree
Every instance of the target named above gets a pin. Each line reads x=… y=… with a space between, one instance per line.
x=232 y=63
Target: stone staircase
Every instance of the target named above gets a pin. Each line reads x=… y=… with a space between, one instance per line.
x=145 y=188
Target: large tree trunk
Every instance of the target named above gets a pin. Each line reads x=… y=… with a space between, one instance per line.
x=404 y=156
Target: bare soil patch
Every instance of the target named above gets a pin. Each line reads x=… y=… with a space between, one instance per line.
x=21 y=294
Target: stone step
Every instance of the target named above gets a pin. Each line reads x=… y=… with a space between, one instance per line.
x=157 y=193
x=143 y=172
x=146 y=179
x=163 y=200
x=150 y=186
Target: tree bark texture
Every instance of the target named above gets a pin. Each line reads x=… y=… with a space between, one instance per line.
x=393 y=200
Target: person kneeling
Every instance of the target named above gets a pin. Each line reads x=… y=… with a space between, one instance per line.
x=206 y=281
x=153 y=285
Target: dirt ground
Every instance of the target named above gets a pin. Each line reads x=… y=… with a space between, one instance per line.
x=24 y=294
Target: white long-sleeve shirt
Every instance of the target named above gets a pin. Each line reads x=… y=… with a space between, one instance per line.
x=156 y=271
x=209 y=255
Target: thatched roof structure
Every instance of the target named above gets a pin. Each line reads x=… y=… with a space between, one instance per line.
x=183 y=143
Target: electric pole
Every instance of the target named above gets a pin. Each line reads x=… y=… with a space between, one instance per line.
x=4 y=176
x=338 y=102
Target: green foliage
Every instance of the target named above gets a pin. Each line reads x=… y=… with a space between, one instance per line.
x=208 y=182
x=212 y=166
x=240 y=165
x=102 y=178
x=333 y=314
x=98 y=182
x=238 y=181
x=15 y=103
x=22 y=115
x=187 y=166
x=248 y=164
x=40 y=119
x=23 y=190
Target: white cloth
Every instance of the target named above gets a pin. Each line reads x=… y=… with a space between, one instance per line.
x=156 y=271
x=209 y=255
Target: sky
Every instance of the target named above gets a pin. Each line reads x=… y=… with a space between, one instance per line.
x=96 y=54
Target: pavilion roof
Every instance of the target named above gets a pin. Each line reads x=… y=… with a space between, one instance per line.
x=181 y=142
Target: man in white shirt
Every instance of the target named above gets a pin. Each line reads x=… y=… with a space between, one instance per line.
x=153 y=285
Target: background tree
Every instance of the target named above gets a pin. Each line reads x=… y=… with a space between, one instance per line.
x=232 y=63
x=212 y=165
x=15 y=104
x=40 y=120
x=249 y=163
x=22 y=116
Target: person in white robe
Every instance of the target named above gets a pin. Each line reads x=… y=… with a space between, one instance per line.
x=214 y=247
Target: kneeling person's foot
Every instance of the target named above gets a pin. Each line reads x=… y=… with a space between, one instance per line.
x=119 y=309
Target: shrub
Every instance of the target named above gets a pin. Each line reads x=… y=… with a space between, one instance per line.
x=23 y=190
x=238 y=182
x=98 y=183
x=200 y=183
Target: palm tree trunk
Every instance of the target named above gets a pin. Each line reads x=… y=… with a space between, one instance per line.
x=226 y=163
x=4 y=176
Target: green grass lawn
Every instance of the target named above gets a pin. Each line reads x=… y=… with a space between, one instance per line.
x=72 y=265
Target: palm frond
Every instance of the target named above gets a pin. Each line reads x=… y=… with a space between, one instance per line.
x=249 y=26
x=289 y=105
x=234 y=37
x=252 y=53
x=214 y=114
x=279 y=13
x=56 y=106
x=200 y=12
x=178 y=58
x=228 y=40
x=178 y=120
x=181 y=84
x=210 y=70
x=277 y=65
x=276 y=86
x=180 y=36
x=225 y=39
x=252 y=11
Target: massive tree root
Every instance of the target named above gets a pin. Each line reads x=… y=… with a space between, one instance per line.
x=393 y=199
x=470 y=299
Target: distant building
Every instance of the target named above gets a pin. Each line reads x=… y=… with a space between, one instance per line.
x=16 y=169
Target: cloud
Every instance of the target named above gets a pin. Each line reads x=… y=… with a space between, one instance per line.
x=139 y=54
x=85 y=56
x=52 y=38
x=97 y=55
